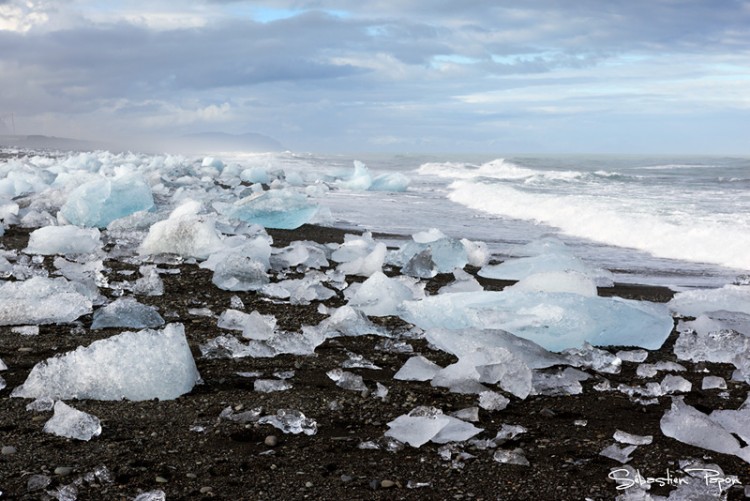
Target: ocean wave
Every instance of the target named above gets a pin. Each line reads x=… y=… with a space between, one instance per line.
x=620 y=222
x=504 y=170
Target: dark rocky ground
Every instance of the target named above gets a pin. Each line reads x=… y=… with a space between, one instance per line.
x=149 y=445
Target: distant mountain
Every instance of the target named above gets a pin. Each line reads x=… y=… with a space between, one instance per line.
x=39 y=142
x=219 y=141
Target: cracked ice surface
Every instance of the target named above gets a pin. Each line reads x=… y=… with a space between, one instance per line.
x=55 y=300
x=133 y=365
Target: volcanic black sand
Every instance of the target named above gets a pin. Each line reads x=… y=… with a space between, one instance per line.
x=156 y=445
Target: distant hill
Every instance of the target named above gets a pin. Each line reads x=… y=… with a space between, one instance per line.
x=220 y=141
x=39 y=142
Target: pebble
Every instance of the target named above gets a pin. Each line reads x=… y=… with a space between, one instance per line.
x=308 y=484
x=346 y=478
x=63 y=471
x=206 y=489
x=374 y=485
x=387 y=484
x=161 y=480
x=191 y=475
x=8 y=449
x=271 y=441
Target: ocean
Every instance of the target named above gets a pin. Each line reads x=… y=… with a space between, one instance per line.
x=676 y=221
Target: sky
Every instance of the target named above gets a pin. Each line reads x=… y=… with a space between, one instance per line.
x=506 y=76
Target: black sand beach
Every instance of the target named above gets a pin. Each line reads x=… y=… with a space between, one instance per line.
x=185 y=449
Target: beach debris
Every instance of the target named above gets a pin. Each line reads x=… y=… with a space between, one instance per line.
x=98 y=202
x=72 y=423
x=291 y=421
x=133 y=365
x=66 y=240
x=126 y=312
x=424 y=424
x=55 y=300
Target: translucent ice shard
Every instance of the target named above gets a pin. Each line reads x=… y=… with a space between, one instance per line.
x=347 y=380
x=445 y=253
x=510 y=457
x=291 y=421
x=381 y=296
x=127 y=312
x=630 y=439
x=71 y=423
x=271 y=385
x=133 y=365
x=621 y=454
x=417 y=368
x=52 y=240
x=55 y=301
x=424 y=424
x=100 y=201
x=392 y=181
x=285 y=209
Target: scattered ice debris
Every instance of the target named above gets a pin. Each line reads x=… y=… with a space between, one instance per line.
x=544 y=256
x=253 y=325
x=55 y=300
x=347 y=380
x=675 y=384
x=620 y=454
x=284 y=209
x=699 y=342
x=688 y=425
x=127 y=312
x=555 y=321
x=515 y=456
x=271 y=385
x=304 y=254
x=42 y=404
x=634 y=356
x=365 y=265
x=249 y=416
x=630 y=439
x=155 y=495
x=713 y=383
x=201 y=312
x=71 y=423
x=429 y=253
x=381 y=296
x=424 y=424
x=492 y=401
x=394 y=346
x=291 y=421
x=184 y=233
x=417 y=368
x=98 y=202
x=651 y=370
x=133 y=365
x=304 y=290
x=65 y=240
x=464 y=282
x=561 y=382
x=593 y=358
x=356 y=361
x=26 y=330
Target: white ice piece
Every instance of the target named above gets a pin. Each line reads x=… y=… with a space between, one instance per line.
x=417 y=368
x=127 y=312
x=628 y=438
x=390 y=181
x=68 y=239
x=72 y=423
x=54 y=301
x=366 y=265
x=358 y=180
x=424 y=424
x=100 y=201
x=381 y=296
x=694 y=303
x=133 y=365
x=445 y=253
x=285 y=209
x=573 y=282
x=291 y=421
x=184 y=233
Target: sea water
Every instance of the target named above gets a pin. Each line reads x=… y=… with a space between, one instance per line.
x=663 y=220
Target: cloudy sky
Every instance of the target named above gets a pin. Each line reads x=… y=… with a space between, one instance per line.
x=536 y=76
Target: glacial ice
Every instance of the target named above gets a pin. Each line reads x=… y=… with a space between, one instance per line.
x=133 y=365
x=555 y=321
x=366 y=265
x=492 y=401
x=291 y=421
x=391 y=181
x=417 y=368
x=72 y=423
x=299 y=253
x=724 y=346
x=347 y=380
x=240 y=273
x=593 y=358
x=52 y=240
x=557 y=281
x=381 y=296
x=358 y=180
x=55 y=300
x=347 y=321
x=100 y=201
x=694 y=303
x=127 y=312
x=464 y=282
x=184 y=233
x=253 y=325
x=271 y=385
x=510 y=457
x=621 y=454
x=431 y=252
x=628 y=438
x=675 y=384
x=560 y=382
x=284 y=209
x=424 y=424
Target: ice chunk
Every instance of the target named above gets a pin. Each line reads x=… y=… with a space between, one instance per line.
x=184 y=233
x=723 y=346
x=446 y=253
x=299 y=253
x=358 y=180
x=133 y=365
x=558 y=281
x=628 y=438
x=510 y=457
x=424 y=424
x=240 y=273
x=100 y=201
x=477 y=252
x=271 y=385
x=391 y=181
x=54 y=301
x=71 y=423
x=155 y=495
x=735 y=421
x=492 y=365
x=417 y=368
x=346 y=321
x=650 y=370
x=291 y=421
x=564 y=382
x=255 y=175
x=675 y=384
x=556 y=321
x=492 y=401
x=127 y=312
x=285 y=209
x=420 y=265
x=713 y=383
x=52 y=240
x=26 y=330
x=150 y=283
x=347 y=380
x=635 y=356
x=367 y=265
x=253 y=325
x=694 y=303
x=356 y=361
x=381 y=296
x=464 y=282
x=593 y=358
x=3 y=367
x=688 y=425
x=621 y=454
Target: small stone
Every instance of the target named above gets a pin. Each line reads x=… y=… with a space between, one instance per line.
x=547 y=412
x=271 y=441
x=161 y=480
x=374 y=484
x=308 y=484
x=206 y=489
x=63 y=471
x=7 y=450
x=191 y=475
x=346 y=478
x=387 y=484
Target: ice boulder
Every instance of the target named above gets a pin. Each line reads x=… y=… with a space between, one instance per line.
x=391 y=181
x=555 y=321
x=240 y=273
x=52 y=240
x=40 y=300
x=127 y=312
x=71 y=423
x=730 y=298
x=184 y=233
x=558 y=281
x=100 y=201
x=381 y=296
x=368 y=264
x=133 y=365
x=424 y=424
x=358 y=180
x=431 y=252
x=284 y=209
